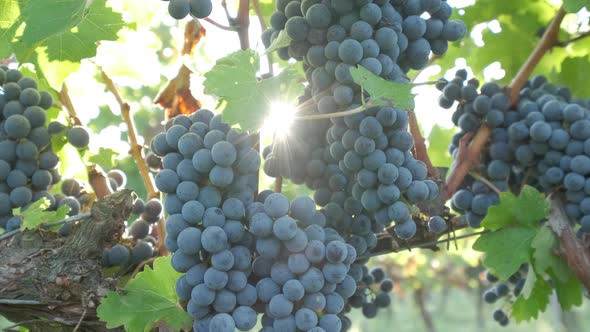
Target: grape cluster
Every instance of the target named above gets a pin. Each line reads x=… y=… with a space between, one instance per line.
x=246 y=254
x=180 y=9
x=508 y=291
x=373 y=289
x=28 y=165
x=543 y=141
x=385 y=181
x=387 y=37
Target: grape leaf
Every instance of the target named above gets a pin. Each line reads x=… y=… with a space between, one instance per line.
x=36 y=215
x=544 y=258
x=384 y=92
x=525 y=309
x=105 y=158
x=58 y=44
x=573 y=72
x=573 y=6
x=150 y=298
x=245 y=99
x=506 y=249
x=570 y=293
x=10 y=20
x=282 y=40
x=526 y=210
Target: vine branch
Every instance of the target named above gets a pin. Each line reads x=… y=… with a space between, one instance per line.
x=135 y=150
x=243 y=21
x=573 y=251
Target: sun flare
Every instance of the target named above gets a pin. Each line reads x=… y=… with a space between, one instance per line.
x=280 y=119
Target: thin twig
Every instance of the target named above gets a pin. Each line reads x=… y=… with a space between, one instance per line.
x=219 y=25
x=359 y=109
x=141 y=265
x=65 y=99
x=573 y=40
x=80 y=321
x=135 y=151
x=485 y=181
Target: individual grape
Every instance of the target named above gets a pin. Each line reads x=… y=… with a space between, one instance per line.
x=437 y=224
x=17 y=126
x=78 y=137
x=318 y=16
x=200 y=8
x=139 y=229
x=179 y=9
x=118 y=255
x=140 y=252
x=297 y=28
x=214 y=239
x=276 y=205
x=222 y=322
x=350 y=51
x=279 y=306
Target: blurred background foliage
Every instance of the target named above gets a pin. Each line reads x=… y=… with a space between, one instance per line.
x=434 y=291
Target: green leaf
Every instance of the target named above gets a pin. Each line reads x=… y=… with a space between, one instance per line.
x=282 y=40
x=36 y=215
x=506 y=249
x=149 y=298
x=105 y=158
x=544 y=257
x=384 y=92
x=574 y=72
x=570 y=293
x=59 y=44
x=573 y=6
x=528 y=209
x=245 y=99
x=65 y=15
x=438 y=142
x=525 y=309
x=10 y=20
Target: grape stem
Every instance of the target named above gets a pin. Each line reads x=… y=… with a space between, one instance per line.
x=135 y=150
x=485 y=181
x=571 y=249
x=64 y=98
x=243 y=20
x=219 y=25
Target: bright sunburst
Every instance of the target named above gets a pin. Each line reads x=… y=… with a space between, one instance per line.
x=280 y=119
